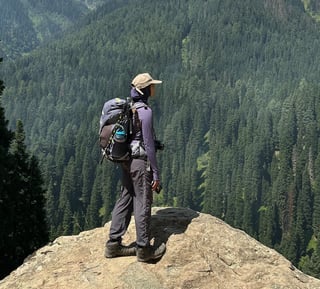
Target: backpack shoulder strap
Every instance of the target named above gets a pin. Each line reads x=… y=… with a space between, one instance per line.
x=138 y=105
x=135 y=117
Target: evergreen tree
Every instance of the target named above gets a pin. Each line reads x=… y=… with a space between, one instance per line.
x=6 y=256
x=93 y=214
x=30 y=231
x=304 y=215
x=316 y=202
x=311 y=265
x=24 y=221
x=67 y=219
x=23 y=227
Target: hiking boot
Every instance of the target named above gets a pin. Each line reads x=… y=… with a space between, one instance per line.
x=149 y=253
x=116 y=249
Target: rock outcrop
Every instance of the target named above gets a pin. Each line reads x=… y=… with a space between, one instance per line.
x=202 y=252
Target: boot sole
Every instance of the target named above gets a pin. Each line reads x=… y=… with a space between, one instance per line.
x=149 y=259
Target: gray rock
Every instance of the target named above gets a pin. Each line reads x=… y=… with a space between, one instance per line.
x=202 y=252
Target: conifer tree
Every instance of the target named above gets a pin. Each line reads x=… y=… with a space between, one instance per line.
x=23 y=226
x=312 y=264
x=6 y=260
x=28 y=208
x=67 y=223
x=316 y=202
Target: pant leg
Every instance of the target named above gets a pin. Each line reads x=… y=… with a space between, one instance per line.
x=121 y=214
x=142 y=201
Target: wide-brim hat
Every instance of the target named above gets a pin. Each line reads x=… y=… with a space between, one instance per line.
x=143 y=80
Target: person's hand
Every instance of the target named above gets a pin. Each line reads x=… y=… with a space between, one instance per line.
x=156 y=187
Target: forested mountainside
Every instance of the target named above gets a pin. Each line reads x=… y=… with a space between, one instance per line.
x=238 y=112
x=25 y=24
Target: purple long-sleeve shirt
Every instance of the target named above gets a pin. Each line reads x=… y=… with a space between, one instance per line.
x=146 y=119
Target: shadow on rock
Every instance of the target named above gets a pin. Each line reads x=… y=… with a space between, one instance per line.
x=168 y=221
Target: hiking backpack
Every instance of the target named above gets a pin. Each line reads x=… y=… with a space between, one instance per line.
x=115 y=129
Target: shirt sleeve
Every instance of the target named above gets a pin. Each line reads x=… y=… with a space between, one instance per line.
x=145 y=116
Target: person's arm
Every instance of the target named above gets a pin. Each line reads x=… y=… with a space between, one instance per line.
x=145 y=116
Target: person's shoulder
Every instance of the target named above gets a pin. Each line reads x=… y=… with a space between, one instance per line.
x=141 y=105
x=144 y=111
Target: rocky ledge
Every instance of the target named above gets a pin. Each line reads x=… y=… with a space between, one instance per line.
x=202 y=252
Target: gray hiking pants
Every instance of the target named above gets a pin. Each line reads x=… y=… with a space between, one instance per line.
x=135 y=197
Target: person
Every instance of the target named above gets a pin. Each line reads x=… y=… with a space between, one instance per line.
x=140 y=176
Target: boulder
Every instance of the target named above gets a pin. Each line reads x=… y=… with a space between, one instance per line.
x=202 y=252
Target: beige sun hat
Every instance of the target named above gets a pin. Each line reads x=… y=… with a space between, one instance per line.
x=143 y=80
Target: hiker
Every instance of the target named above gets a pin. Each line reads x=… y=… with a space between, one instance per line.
x=140 y=176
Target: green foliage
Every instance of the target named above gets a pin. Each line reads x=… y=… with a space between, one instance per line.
x=26 y=24
x=310 y=263
x=238 y=112
x=23 y=226
x=313 y=8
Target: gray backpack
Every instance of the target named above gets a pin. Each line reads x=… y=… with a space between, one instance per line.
x=116 y=129
x=118 y=118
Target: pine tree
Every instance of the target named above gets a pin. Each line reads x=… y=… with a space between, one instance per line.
x=23 y=227
x=6 y=256
x=93 y=217
x=24 y=220
x=27 y=187
x=67 y=221
x=51 y=211
x=316 y=202
x=312 y=264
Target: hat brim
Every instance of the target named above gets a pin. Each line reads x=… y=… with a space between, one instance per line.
x=155 y=81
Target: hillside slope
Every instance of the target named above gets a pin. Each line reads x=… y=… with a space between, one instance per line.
x=25 y=24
